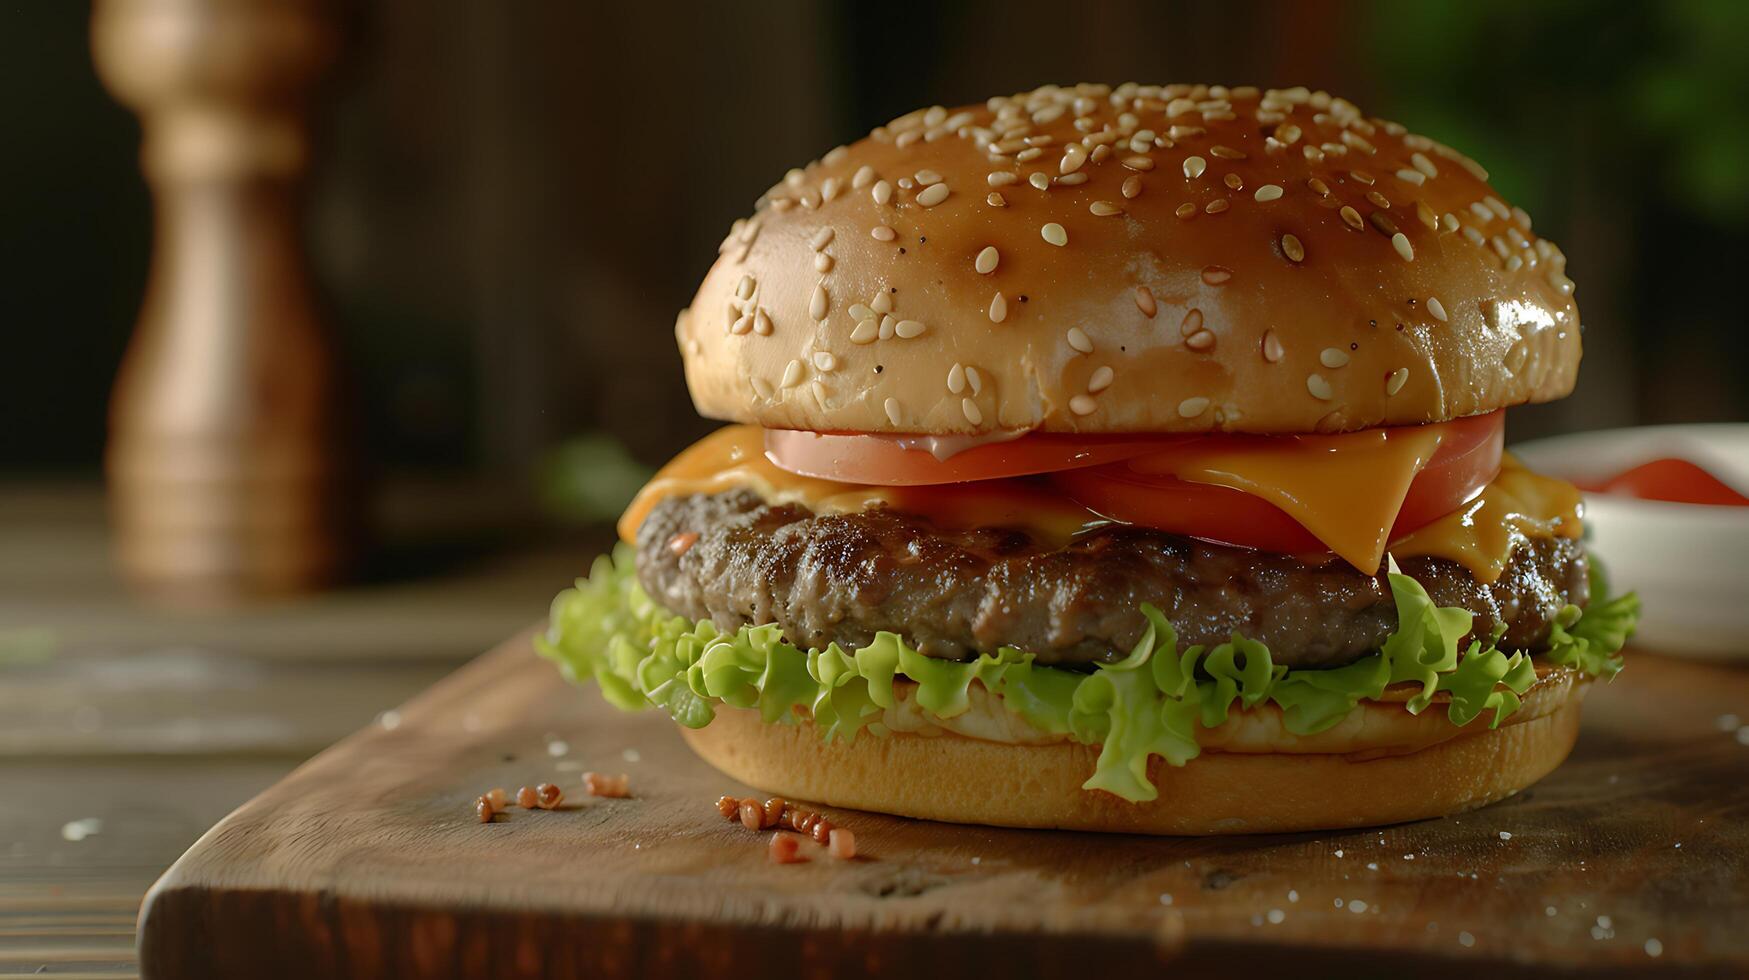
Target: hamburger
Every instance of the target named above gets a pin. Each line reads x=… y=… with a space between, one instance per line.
x=1122 y=459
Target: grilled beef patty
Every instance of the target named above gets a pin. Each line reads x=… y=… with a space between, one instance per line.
x=952 y=594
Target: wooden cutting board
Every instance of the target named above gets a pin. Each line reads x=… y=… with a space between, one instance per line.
x=368 y=861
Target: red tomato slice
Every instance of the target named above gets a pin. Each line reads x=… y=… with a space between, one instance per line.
x=901 y=461
x=1467 y=459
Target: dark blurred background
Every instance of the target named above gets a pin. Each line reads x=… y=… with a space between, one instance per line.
x=512 y=200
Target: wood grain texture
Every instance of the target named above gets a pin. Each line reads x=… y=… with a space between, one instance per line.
x=367 y=861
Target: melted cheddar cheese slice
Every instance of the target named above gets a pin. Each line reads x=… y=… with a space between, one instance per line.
x=1345 y=489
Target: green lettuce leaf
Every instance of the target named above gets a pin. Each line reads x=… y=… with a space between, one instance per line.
x=1150 y=703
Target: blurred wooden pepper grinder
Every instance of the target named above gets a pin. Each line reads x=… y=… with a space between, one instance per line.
x=228 y=461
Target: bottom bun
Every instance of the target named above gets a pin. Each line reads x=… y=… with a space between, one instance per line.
x=967 y=780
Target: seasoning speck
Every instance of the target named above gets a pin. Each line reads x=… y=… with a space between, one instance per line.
x=77 y=830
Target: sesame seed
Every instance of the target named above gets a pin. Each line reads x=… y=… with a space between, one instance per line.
x=1378 y=200
x=792 y=374
x=829 y=188
x=1291 y=247
x=932 y=195
x=1079 y=340
x=762 y=324
x=905 y=183
x=1001 y=178
x=1139 y=162
x=1104 y=209
x=1074 y=155
x=1185 y=210
x=882 y=303
x=1202 y=340
x=998 y=309
x=996 y=200
x=744 y=289
x=882 y=192
x=1234 y=181
x=1217 y=205
x=862 y=178
x=976 y=380
x=1083 y=405
x=1382 y=222
x=1415 y=177
x=1072 y=180
x=858 y=311
x=1192 y=407
x=1039 y=179
x=1395 y=381
x=986 y=260
x=1319 y=388
x=1191 y=323
x=892 y=407
x=906 y=329
x=1435 y=307
x=1272 y=351
x=1194 y=167
x=1361 y=177
x=1474 y=236
x=887 y=324
x=825 y=361
x=742 y=324
x=1481 y=211
x=866 y=331
x=822 y=238
x=1100 y=379
x=1268 y=192
x=1448 y=222
x=1145 y=302
x=1132 y=186
x=1424 y=165
x=822 y=262
x=1054 y=233
x=882 y=233
x=974 y=414
x=1352 y=218
x=1426 y=216
x=956 y=378
x=1312 y=153
x=820 y=303
x=1400 y=242
x=1025 y=156
x=1215 y=275
x=927 y=177
x=1226 y=153
x=1318 y=186
x=1333 y=357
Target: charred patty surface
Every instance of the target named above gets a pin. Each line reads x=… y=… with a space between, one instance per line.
x=842 y=578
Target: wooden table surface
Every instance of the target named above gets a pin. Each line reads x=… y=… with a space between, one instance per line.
x=1633 y=855
x=157 y=723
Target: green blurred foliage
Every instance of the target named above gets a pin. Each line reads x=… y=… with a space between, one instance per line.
x=589 y=480
x=1536 y=90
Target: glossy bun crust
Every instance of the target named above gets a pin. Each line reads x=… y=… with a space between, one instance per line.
x=1145 y=258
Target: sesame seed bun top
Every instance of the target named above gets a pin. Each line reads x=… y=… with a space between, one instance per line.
x=1133 y=259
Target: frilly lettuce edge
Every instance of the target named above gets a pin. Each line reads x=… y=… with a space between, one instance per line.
x=1149 y=703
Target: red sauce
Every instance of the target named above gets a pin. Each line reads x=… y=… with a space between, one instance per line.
x=1673 y=480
